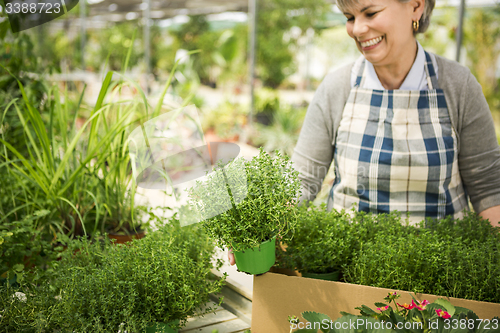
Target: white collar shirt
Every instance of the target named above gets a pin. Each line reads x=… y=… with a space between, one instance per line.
x=415 y=80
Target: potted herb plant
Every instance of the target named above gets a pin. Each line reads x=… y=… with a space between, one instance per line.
x=322 y=243
x=247 y=205
x=152 y=284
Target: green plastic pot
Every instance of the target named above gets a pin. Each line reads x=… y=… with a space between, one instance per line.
x=257 y=260
x=162 y=327
x=333 y=276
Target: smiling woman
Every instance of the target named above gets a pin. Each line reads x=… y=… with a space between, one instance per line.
x=399 y=128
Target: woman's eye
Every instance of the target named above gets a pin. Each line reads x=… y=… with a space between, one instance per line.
x=350 y=19
x=371 y=14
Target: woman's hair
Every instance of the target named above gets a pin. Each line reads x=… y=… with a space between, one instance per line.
x=423 y=22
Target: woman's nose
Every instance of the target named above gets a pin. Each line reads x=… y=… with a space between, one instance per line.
x=360 y=28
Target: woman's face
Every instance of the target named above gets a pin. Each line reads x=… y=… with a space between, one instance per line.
x=383 y=29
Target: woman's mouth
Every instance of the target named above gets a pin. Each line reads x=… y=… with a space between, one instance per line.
x=370 y=44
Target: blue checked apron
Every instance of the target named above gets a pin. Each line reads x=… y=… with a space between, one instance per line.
x=397 y=150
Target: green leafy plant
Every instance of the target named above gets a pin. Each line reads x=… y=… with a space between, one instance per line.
x=62 y=169
x=432 y=260
x=322 y=241
x=271 y=190
x=438 y=316
x=196 y=35
x=161 y=278
x=23 y=247
x=267 y=103
x=275 y=18
x=227 y=120
x=283 y=131
x=100 y=287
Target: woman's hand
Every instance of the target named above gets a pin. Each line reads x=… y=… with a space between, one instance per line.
x=492 y=214
x=230 y=256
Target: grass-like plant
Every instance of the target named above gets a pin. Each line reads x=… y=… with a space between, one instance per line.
x=83 y=177
x=249 y=202
x=61 y=167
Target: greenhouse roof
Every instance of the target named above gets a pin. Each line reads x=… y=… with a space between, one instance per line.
x=122 y=10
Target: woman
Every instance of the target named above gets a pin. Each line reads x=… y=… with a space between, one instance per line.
x=400 y=128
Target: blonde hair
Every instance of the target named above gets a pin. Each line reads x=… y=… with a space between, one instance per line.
x=423 y=22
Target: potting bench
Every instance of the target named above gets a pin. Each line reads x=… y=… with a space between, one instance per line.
x=233 y=316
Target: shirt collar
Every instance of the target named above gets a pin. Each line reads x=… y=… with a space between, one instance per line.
x=413 y=81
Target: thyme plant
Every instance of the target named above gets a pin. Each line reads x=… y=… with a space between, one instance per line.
x=242 y=214
x=322 y=243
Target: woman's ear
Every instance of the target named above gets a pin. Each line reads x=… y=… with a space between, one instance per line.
x=418 y=8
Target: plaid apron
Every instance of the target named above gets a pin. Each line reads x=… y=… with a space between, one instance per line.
x=397 y=150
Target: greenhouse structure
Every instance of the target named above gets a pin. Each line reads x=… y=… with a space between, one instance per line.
x=250 y=166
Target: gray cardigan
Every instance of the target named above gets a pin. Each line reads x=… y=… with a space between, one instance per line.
x=478 y=149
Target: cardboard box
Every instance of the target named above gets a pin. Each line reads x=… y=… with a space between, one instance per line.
x=276 y=296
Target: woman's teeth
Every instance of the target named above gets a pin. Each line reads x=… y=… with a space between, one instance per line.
x=371 y=42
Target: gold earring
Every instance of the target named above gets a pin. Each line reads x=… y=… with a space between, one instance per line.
x=416 y=25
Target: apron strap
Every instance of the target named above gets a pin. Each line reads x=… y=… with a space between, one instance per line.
x=360 y=78
x=432 y=81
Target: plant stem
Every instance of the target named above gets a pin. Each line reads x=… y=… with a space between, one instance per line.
x=231 y=196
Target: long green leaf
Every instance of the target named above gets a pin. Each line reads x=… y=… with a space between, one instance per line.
x=103 y=142
x=167 y=85
x=77 y=212
x=32 y=172
x=39 y=127
x=78 y=106
x=15 y=210
x=97 y=210
x=27 y=132
x=129 y=52
x=98 y=105
x=69 y=151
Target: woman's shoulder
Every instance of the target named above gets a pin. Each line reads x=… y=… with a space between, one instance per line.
x=339 y=74
x=337 y=80
x=451 y=72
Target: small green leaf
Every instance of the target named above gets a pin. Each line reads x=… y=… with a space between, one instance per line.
x=18 y=267
x=41 y=213
x=315 y=317
x=449 y=307
x=380 y=305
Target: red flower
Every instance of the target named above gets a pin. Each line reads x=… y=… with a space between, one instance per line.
x=443 y=314
x=407 y=306
x=383 y=308
x=420 y=305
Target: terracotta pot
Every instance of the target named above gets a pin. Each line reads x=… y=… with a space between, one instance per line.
x=122 y=239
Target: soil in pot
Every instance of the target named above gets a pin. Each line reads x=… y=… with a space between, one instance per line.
x=332 y=276
x=257 y=260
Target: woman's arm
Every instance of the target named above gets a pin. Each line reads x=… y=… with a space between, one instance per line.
x=479 y=152
x=314 y=150
x=492 y=214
